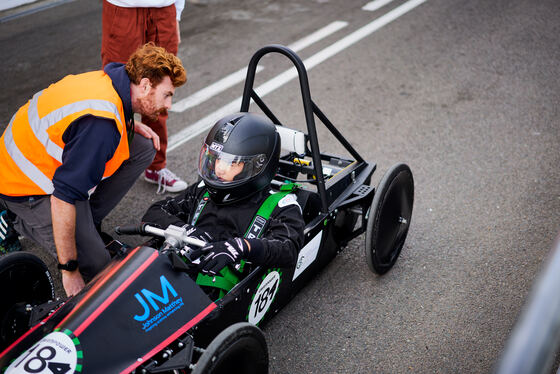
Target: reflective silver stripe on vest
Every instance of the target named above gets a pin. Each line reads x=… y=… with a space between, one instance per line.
x=40 y=126
x=24 y=164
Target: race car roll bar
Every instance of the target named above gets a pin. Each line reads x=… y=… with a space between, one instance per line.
x=310 y=109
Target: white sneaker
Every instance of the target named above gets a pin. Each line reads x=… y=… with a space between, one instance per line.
x=165 y=179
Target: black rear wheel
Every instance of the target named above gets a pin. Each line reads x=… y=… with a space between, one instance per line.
x=241 y=348
x=389 y=218
x=25 y=282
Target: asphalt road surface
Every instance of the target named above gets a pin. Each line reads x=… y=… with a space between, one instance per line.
x=465 y=92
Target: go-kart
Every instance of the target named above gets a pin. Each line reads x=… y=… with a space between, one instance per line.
x=149 y=311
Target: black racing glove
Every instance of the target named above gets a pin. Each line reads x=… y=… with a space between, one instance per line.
x=218 y=255
x=195 y=232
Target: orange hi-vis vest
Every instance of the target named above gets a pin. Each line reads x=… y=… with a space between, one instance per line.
x=31 y=147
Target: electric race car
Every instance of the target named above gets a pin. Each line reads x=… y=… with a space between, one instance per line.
x=149 y=311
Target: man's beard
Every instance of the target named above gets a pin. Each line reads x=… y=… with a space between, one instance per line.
x=154 y=116
x=149 y=111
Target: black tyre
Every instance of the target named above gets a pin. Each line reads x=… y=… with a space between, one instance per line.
x=389 y=218
x=25 y=280
x=241 y=348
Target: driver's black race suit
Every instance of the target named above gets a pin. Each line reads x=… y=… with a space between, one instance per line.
x=281 y=237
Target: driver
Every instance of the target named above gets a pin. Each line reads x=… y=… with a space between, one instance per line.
x=236 y=164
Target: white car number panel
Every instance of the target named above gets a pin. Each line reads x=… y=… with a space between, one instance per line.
x=308 y=254
x=264 y=297
x=56 y=353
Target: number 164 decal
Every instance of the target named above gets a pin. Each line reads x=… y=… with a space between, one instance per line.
x=264 y=297
x=56 y=353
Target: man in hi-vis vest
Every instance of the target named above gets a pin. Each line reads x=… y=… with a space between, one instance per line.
x=70 y=154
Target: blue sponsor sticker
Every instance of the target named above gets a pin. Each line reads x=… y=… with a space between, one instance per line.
x=157 y=307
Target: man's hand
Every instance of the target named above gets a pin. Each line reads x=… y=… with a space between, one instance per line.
x=218 y=255
x=72 y=282
x=147 y=133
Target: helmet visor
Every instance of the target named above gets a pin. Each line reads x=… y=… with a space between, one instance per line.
x=218 y=167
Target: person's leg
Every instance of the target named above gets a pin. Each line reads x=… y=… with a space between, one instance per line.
x=160 y=128
x=111 y=190
x=161 y=28
x=92 y=255
x=123 y=31
x=34 y=220
x=157 y=172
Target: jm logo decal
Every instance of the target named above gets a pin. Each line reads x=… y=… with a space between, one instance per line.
x=162 y=305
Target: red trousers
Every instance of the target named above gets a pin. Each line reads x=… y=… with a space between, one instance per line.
x=126 y=29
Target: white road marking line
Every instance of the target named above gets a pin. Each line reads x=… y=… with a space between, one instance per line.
x=234 y=78
x=201 y=125
x=211 y=90
x=322 y=33
x=376 y=4
x=7 y=4
x=205 y=123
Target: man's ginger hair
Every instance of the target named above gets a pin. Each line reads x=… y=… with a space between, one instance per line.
x=154 y=63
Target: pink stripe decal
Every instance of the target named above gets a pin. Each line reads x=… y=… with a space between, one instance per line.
x=30 y=331
x=97 y=286
x=20 y=339
x=172 y=337
x=115 y=294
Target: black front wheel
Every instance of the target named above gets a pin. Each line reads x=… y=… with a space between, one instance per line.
x=241 y=348
x=25 y=282
x=389 y=218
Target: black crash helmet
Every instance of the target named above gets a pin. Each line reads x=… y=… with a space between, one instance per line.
x=239 y=157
